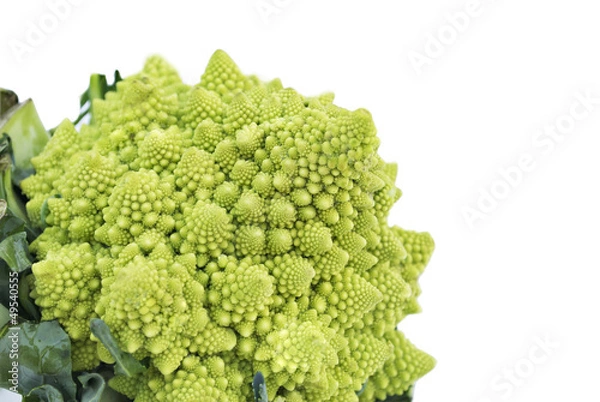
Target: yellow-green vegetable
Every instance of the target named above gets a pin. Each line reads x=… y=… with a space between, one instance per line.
x=224 y=229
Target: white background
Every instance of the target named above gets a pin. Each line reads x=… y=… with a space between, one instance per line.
x=474 y=108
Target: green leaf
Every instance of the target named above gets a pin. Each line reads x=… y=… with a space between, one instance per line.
x=28 y=308
x=260 y=388
x=113 y=87
x=7 y=100
x=96 y=90
x=37 y=355
x=10 y=225
x=93 y=387
x=4 y=316
x=125 y=364
x=110 y=395
x=14 y=204
x=44 y=393
x=14 y=254
x=4 y=283
x=28 y=136
x=14 y=250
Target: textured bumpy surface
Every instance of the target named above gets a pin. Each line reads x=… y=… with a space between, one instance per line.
x=226 y=228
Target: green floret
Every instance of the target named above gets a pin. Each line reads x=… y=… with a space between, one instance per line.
x=250 y=240
x=223 y=76
x=213 y=339
x=50 y=167
x=242 y=292
x=292 y=103
x=208 y=230
x=282 y=213
x=331 y=262
x=148 y=304
x=159 y=69
x=140 y=103
x=83 y=193
x=249 y=208
x=224 y=228
x=363 y=356
x=239 y=113
x=269 y=109
x=299 y=354
x=313 y=238
x=67 y=287
x=388 y=246
x=189 y=386
x=140 y=202
x=201 y=105
x=419 y=247
x=207 y=135
x=226 y=154
x=84 y=355
x=263 y=184
x=249 y=139
x=348 y=298
x=398 y=373
x=196 y=169
x=226 y=194
x=293 y=274
x=51 y=239
x=362 y=261
x=279 y=241
x=396 y=293
x=282 y=182
x=352 y=242
x=243 y=172
x=160 y=150
x=128 y=386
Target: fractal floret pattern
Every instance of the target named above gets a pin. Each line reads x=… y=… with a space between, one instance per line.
x=226 y=228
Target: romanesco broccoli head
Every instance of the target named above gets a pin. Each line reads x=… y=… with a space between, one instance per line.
x=226 y=228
